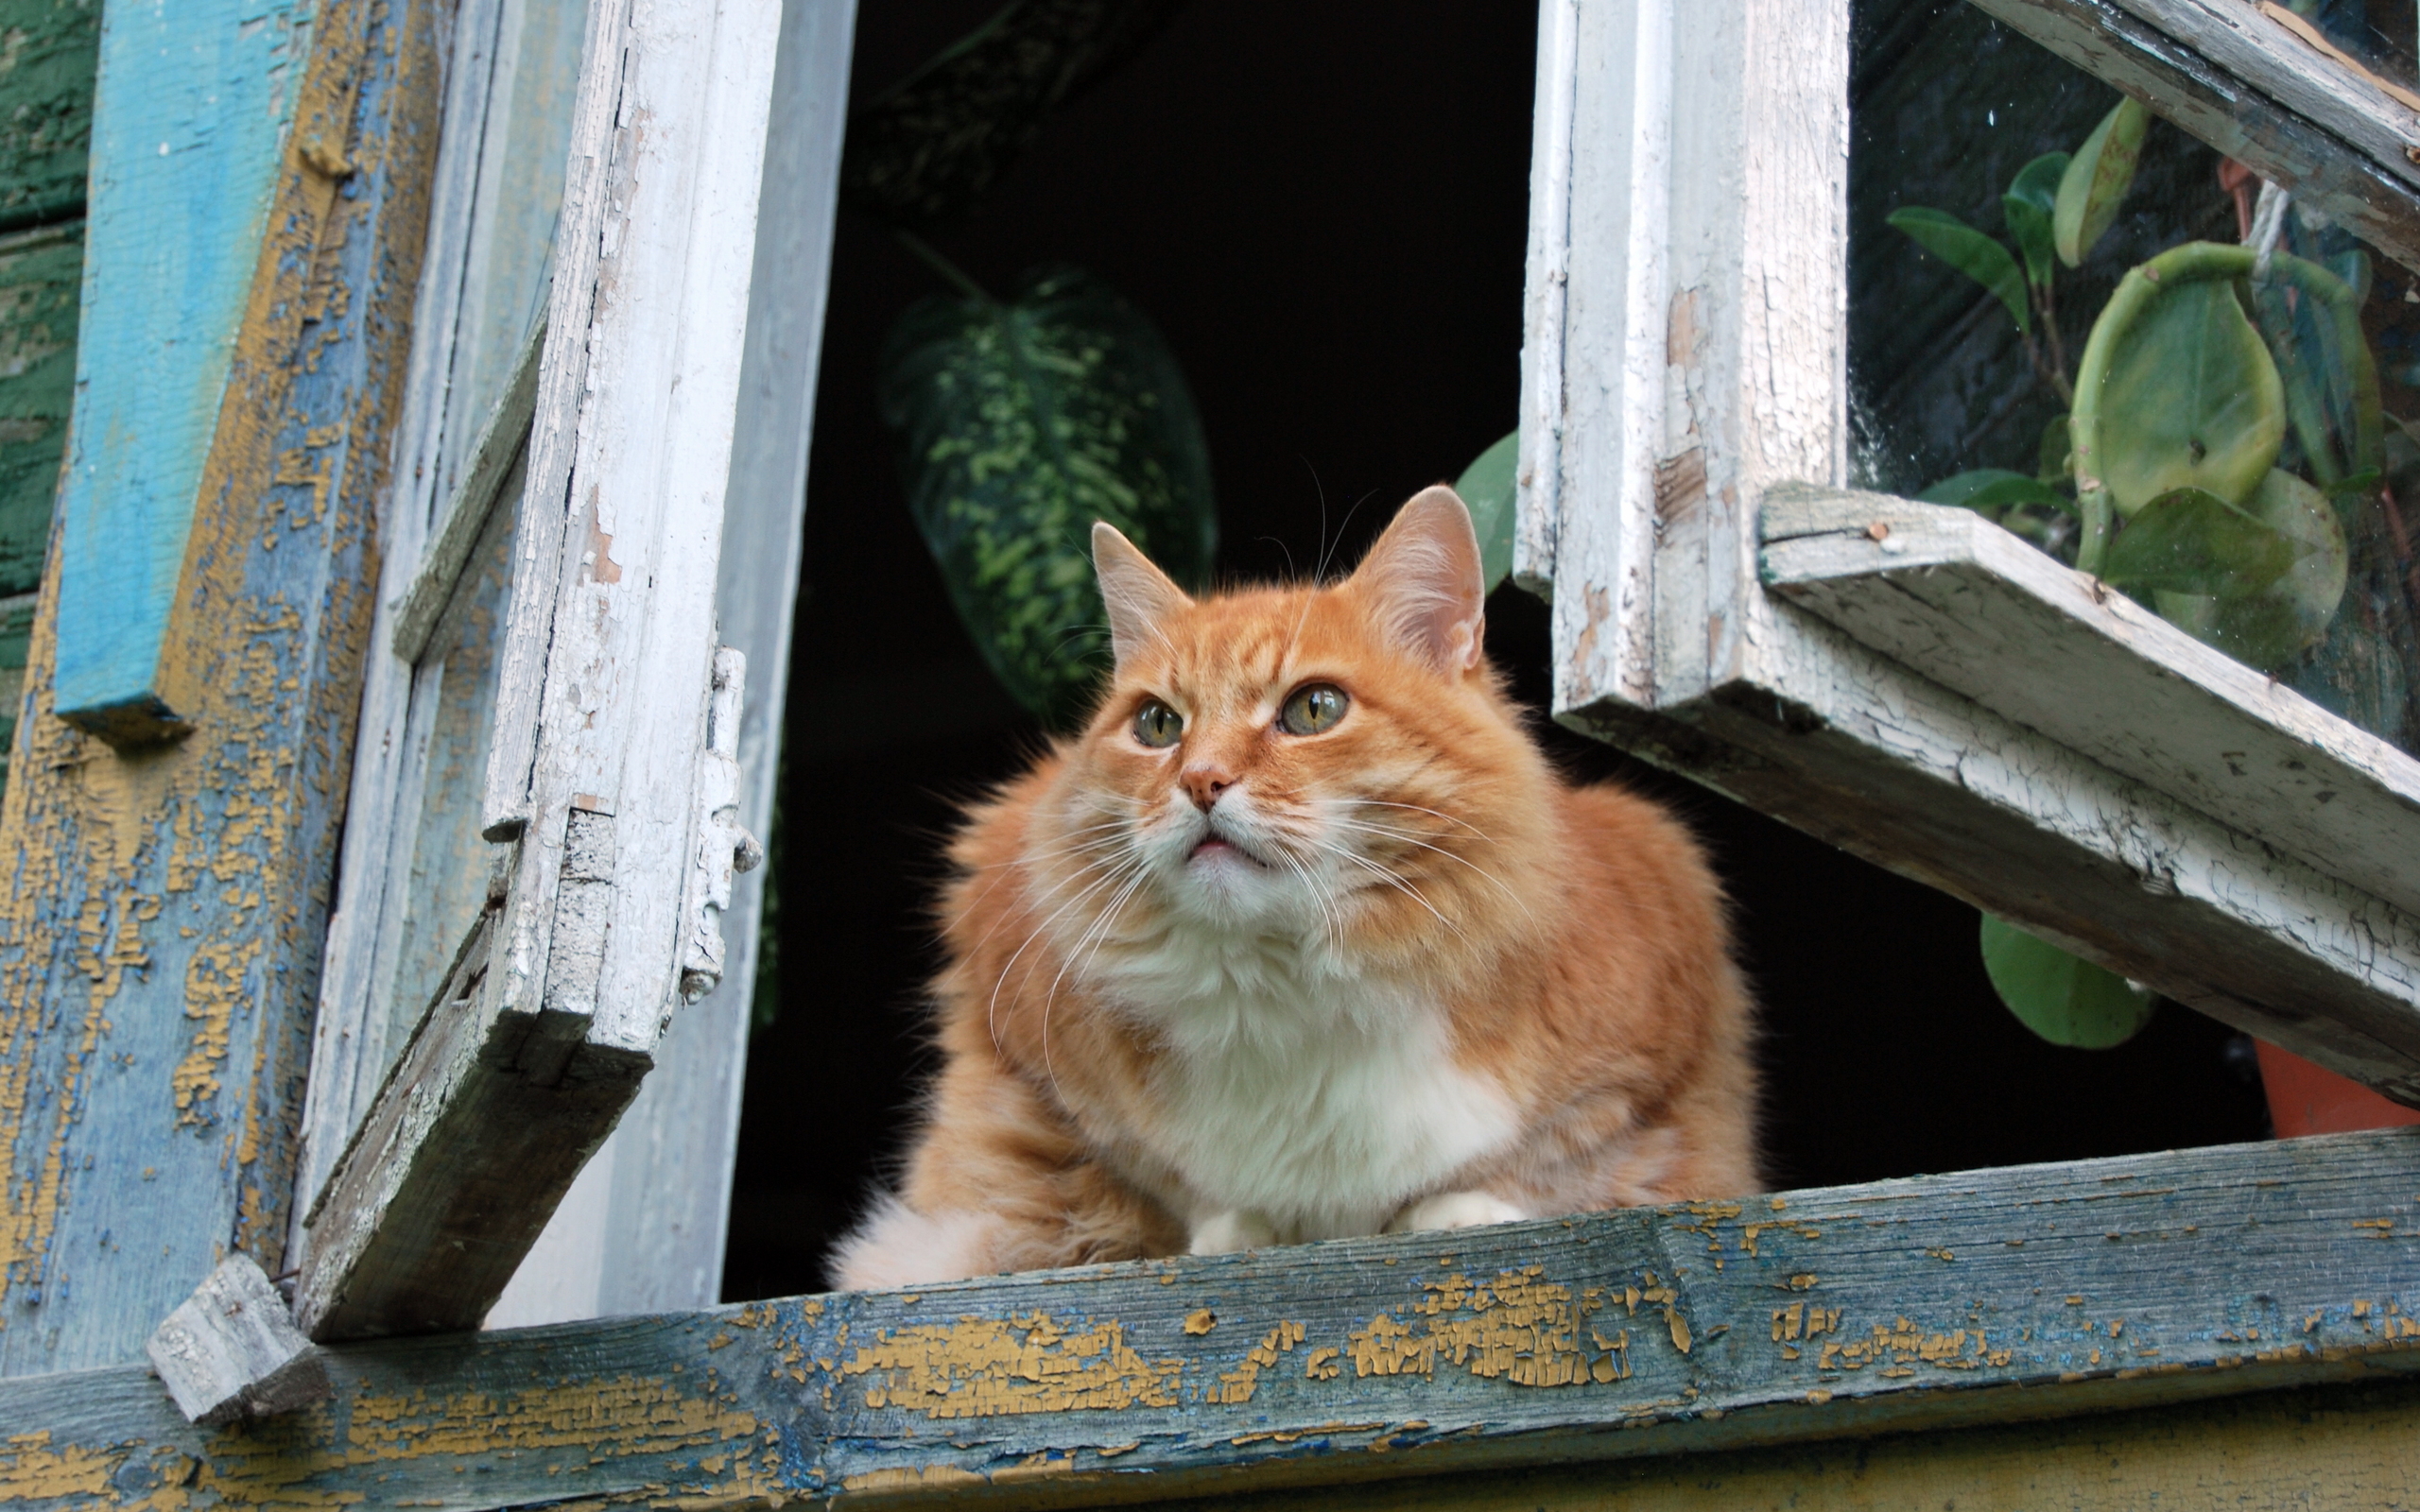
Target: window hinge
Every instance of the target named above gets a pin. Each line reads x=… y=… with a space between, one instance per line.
x=725 y=847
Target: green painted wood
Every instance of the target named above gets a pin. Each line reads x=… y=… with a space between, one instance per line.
x=189 y=126
x=40 y=274
x=162 y=912
x=48 y=52
x=1934 y=1303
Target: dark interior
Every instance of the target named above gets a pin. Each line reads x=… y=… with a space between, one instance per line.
x=1323 y=209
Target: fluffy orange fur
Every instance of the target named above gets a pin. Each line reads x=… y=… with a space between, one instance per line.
x=1257 y=985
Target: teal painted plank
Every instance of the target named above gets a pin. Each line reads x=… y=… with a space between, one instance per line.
x=1943 y=1302
x=161 y=912
x=48 y=50
x=190 y=109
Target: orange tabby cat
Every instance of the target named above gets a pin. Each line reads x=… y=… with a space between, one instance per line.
x=1302 y=939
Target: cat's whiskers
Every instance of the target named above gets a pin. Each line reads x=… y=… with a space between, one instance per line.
x=1010 y=868
x=1388 y=803
x=1409 y=838
x=1098 y=934
x=1133 y=865
x=1399 y=883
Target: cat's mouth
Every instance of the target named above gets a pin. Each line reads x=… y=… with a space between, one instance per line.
x=1213 y=847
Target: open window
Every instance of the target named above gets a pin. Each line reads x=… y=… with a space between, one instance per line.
x=544 y=833
x=1718 y=350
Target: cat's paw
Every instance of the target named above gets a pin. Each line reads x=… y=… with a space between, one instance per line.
x=1454 y=1210
x=1224 y=1233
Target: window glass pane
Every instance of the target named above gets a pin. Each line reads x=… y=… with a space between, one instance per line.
x=523 y=152
x=2243 y=415
x=453 y=703
x=517 y=154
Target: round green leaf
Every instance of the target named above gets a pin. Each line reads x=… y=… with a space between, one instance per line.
x=2290 y=614
x=1979 y=257
x=2095 y=181
x=2192 y=542
x=1487 y=486
x=2192 y=399
x=2031 y=198
x=1021 y=423
x=2063 y=1000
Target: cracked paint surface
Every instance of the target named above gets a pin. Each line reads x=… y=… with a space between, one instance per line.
x=161 y=931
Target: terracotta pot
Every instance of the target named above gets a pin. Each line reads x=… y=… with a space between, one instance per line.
x=2307 y=1099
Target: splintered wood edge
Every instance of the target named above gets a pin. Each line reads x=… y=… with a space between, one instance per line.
x=1939 y=1301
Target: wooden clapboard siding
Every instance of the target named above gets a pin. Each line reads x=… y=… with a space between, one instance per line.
x=1940 y=1302
x=188 y=159
x=160 y=934
x=39 y=272
x=46 y=66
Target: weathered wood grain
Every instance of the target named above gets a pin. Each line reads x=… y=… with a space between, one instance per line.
x=1978 y=1299
x=2241 y=83
x=188 y=155
x=412 y=821
x=478 y=1130
x=161 y=917
x=1537 y=471
x=641 y=1229
x=231 y=1350
x=1954 y=596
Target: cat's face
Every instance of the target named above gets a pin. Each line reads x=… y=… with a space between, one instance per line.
x=1322 y=762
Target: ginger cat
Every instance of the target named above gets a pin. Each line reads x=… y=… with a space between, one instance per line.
x=1302 y=939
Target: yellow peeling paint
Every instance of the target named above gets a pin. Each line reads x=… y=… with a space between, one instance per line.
x=215 y=816
x=32 y=1471
x=1236 y=1387
x=1520 y=1328
x=985 y=1367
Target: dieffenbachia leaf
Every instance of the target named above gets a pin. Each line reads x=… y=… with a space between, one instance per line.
x=2095 y=181
x=2270 y=625
x=1487 y=486
x=2065 y=1001
x=2191 y=400
x=1979 y=257
x=1022 y=422
x=2031 y=198
x=2190 y=540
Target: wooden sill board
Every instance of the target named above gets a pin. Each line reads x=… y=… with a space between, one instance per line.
x=1955 y=597
x=1991 y=1296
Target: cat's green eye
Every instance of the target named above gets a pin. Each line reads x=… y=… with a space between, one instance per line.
x=1312 y=710
x=1156 y=723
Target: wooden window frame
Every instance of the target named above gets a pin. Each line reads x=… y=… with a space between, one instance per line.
x=1870 y=669
x=622 y=753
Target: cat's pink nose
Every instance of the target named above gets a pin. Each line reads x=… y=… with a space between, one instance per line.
x=1206 y=784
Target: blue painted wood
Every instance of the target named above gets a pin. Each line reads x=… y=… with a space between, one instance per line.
x=188 y=120
x=1943 y=1302
x=162 y=911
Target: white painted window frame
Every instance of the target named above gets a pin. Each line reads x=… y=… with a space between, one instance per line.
x=666 y=407
x=1892 y=677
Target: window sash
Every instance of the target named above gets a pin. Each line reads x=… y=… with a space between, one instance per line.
x=1686 y=365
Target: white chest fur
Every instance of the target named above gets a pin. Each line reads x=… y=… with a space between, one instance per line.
x=1311 y=1097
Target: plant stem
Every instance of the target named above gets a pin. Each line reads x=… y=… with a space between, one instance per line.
x=923 y=252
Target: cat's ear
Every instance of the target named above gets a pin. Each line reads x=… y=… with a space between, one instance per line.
x=1424 y=582
x=1137 y=594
